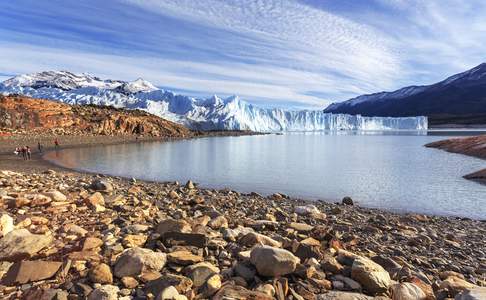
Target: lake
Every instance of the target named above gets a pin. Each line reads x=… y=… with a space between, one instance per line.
x=391 y=171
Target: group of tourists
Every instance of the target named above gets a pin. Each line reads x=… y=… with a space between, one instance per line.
x=26 y=152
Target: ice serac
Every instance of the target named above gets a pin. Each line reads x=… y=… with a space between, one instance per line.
x=213 y=113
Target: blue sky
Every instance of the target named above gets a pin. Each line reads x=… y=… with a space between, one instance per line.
x=286 y=53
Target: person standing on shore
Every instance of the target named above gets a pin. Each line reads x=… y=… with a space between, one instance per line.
x=28 y=152
x=24 y=153
x=39 y=146
x=56 y=143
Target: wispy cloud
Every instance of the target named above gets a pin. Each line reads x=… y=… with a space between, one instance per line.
x=270 y=52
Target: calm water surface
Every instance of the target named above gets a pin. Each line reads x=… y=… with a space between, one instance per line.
x=388 y=171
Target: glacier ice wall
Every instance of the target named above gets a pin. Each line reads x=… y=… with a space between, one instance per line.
x=204 y=114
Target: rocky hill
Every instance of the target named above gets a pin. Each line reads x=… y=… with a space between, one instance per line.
x=26 y=114
x=459 y=99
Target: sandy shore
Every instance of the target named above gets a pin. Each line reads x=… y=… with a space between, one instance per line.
x=100 y=237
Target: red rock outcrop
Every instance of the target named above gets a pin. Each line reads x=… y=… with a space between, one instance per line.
x=24 y=113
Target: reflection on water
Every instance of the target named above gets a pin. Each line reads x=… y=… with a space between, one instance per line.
x=377 y=169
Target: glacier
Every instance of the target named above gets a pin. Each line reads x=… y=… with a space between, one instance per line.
x=213 y=113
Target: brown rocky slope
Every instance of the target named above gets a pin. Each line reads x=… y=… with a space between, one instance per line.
x=19 y=113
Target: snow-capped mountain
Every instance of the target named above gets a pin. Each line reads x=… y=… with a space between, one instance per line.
x=460 y=94
x=206 y=114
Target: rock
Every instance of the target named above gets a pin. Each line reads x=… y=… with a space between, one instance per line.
x=252 y=238
x=335 y=295
x=171 y=225
x=213 y=284
x=189 y=185
x=28 y=271
x=169 y=293
x=301 y=227
x=330 y=264
x=21 y=244
x=183 y=257
x=455 y=285
x=91 y=243
x=407 y=291
x=218 y=222
x=74 y=229
x=475 y=293
x=174 y=195
x=229 y=291
x=55 y=195
x=101 y=274
x=6 y=224
x=134 y=261
x=267 y=289
x=101 y=185
x=347 y=201
x=134 y=240
x=306 y=210
x=105 y=292
x=181 y=283
x=129 y=282
x=370 y=275
x=95 y=200
x=200 y=272
x=189 y=239
x=271 y=261
x=305 y=251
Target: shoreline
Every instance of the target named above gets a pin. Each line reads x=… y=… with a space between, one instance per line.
x=218 y=229
x=39 y=164
x=474 y=146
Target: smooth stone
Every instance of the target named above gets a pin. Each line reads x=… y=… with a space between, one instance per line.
x=105 y=292
x=370 y=275
x=183 y=257
x=200 y=272
x=21 y=244
x=28 y=271
x=101 y=185
x=335 y=295
x=6 y=224
x=475 y=293
x=238 y=292
x=252 y=238
x=55 y=195
x=171 y=225
x=101 y=274
x=273 y=262
x=407 y=291
x=134 y=261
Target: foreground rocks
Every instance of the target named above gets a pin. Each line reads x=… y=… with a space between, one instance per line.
x=72 y=236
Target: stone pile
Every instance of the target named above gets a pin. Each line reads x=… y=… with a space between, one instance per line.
x=75 y=236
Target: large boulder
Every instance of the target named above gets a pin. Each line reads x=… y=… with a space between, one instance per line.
x=171 y=225
x=370 y=275
x=28 y=271
x=336 y=295
x=271 y=261
x=200 y=272
x=101 y=185
x=238 y=292
x=252 y=238
x=6 y=224
x=21 y=244
x=455 y=285
x=407 y=291
x=134 y=261
x=475 y=293
x=105 y=292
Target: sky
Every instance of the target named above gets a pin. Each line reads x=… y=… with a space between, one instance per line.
x=273 y=53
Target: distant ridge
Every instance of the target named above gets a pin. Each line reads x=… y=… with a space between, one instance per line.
x=451 y=100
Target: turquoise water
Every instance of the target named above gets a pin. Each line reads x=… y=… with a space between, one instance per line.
x=387 y=171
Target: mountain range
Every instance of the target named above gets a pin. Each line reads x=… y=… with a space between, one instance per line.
x=213 y=113
x=460 y=98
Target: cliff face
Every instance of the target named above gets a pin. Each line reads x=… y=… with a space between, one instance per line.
x=23 y=113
